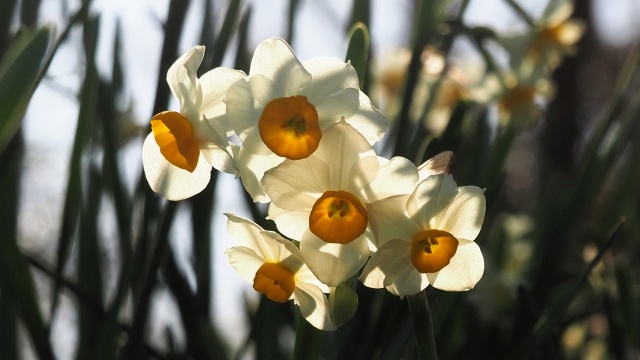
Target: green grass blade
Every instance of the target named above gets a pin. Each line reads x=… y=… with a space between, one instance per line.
x=292 y=10
x=6 y=15
x=19 y=70
x=548 y=322
x=225 y=33
x=13 y=265
x=73 y=195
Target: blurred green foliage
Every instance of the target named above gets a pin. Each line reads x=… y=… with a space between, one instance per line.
x=540 y=298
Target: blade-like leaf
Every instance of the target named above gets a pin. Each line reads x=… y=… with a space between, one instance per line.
x=19 y=70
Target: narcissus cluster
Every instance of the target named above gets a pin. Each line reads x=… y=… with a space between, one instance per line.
x=304 y=135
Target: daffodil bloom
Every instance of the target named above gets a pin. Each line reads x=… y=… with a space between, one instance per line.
x=543 y=48
x=281 y=110
x=427 y=238
x=323 y=200
x=276 y=269
x=179 y=153
x=521 y=101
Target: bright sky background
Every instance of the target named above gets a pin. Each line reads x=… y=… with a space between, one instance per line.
x=51 y=119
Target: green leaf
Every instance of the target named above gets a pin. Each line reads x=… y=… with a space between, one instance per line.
x=358 y=50
x=19 y=70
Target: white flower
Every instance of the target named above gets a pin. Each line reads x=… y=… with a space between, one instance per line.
x=427 y=238
x=178 y=154
x=281 y=110
x=276 y=269
x=322 y=200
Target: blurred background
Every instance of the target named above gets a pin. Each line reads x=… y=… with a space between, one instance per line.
x=94 y=265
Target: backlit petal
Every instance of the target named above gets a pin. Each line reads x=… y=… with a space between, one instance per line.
x=369 y=121
x=333 y=263
x=391 y=267
x=245 y=261
x=427 y=204
x=249 y=234
x=394 y=177
x=463 y=272
x=388 y=220
x=314 y=306
x=183 y=81
x=274 y=59
x=168 y=180
x=215 y=84
x=464 y=216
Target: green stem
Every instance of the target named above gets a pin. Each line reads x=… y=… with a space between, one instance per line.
x=422 y=326
x=308 y=340
x=520 y=11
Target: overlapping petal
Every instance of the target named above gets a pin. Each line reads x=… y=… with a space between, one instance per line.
x=330 y=86
x=463 y=272
x=203 y=117
x=165 y=178
x=403 y=224
x=258 y=247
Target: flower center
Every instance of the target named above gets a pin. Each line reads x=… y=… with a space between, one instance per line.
x=338 y=217
x=274 y=281
x=432 y=250
x=174 y=135
x=289 y=127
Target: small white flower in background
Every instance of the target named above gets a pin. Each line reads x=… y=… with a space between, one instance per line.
x=276 y=269
x=282 y=108
x=322 y=200
x=179 y=153
x=427 y=238
x=543 y=48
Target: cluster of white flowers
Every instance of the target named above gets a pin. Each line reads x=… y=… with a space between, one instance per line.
x=305 y=135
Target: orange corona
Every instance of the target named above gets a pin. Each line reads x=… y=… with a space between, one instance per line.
x=338 y=217
x=432 y=250
x=289 y=127
x=174 y=135
x=274 y=281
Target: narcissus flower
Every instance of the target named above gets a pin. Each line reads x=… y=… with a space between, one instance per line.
x=542 y=49
x=276 y=269
x=427 y=238
x=322 y=200
x=179 y=153
x=281 y=110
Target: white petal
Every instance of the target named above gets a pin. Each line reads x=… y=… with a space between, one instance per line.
x=216 y=148
x=428 y=202
x=183 y=81
x=314 y=306
x=214 y=85
x=295 y=185
x=250 y=235
x=333 y=263
x=341 y=147
x=245 y=261
x=253 y=160
x=438 y=164
x=330 y=74
x=274 y=59
x=305 y=275
x=245 y=101
x=332 y=108
x=169 y=180
x=368 y=120
x=391 y=267
x=389 y=220
x=463 y=272
x=463 y=217
x=292 y=224
x=395 y=177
